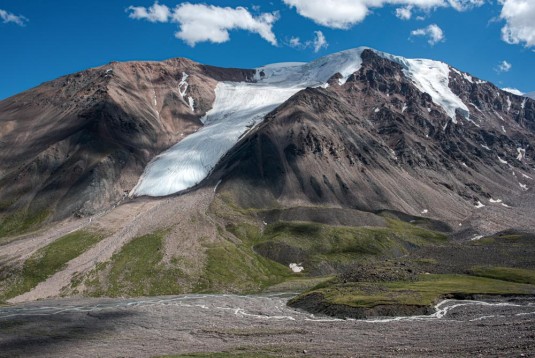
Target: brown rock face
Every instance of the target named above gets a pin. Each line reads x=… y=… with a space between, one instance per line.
x=78 y=144
x=377 y=142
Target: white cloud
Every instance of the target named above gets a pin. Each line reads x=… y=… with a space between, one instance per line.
x=463 y=5
x=155 y=13
x=433 y=33
x=519 y=16
x=404 y=13
x=9 y=17
x=513 y=91
x=295 y=42
x=342 y=14
x=319 y=41
x=208 y=23
x=338 y=14
x=504 y=66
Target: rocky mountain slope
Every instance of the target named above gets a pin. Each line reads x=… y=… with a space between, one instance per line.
x=78 y=144
x=147 y=178
x=379 y=142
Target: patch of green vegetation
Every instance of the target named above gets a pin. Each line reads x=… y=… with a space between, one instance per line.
x=300 y=284
x=320 y=243
x=424 y=292
x=138 y=270
x=505 y=274
x=233 y=267
x=21 y=222
x=50 y=259
x=247 y=351
x=426 y=261
x=222 y=355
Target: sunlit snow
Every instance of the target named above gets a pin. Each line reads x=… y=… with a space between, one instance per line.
x=432 y=77
x=296 y=267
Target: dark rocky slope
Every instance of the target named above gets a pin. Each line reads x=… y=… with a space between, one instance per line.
x=378 y=142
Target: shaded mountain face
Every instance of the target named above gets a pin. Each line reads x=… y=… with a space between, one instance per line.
x=78 y=144
x=378 y=142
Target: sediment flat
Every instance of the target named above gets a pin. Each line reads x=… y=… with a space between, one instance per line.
x=260 y=325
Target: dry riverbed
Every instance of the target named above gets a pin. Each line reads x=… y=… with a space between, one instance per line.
x=258 y=326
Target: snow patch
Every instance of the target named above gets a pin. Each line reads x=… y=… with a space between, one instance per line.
x=296 y=267
x=404 y=108
x=215 y=187
x=501 y=160
x=495 y=201
x=376 y=110
x=508 y=103
x=468 y=77
x=477 y=237
x=521 y=153
x=183 y=85
x=527 y=176
x=191 y=103
x=475 y=106
x=425 y=211
x=432 y=77
x=479 y=205
x=485 y=146
x=523 y=186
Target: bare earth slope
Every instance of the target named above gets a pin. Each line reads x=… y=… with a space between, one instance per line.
x=78 y=144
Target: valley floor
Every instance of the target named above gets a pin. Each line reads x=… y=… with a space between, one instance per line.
x=258 y=326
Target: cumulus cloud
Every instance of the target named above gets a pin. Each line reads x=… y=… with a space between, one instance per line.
x=504 y=66
x=433 y=33
x=155 y=13
x=317 y=43
x=404 y=13
x=208 y=23
x=342 y=14
x=519 y=16
x=8 y=17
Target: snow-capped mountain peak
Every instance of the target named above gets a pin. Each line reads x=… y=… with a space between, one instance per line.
x=239 y=106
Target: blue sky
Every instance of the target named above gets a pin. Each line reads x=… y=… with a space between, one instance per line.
x=42 y=39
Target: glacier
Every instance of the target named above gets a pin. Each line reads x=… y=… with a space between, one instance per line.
x=240 y=106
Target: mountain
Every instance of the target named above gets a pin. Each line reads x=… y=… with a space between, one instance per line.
x=149 y=178
x=77 y=145
x=416 y=136
x=530 y=95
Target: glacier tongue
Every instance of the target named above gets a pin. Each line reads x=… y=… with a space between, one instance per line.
x=239 y=106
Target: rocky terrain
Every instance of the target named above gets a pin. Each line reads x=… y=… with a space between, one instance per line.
x=289 y=176
x=258 y=326
x=77 y=145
